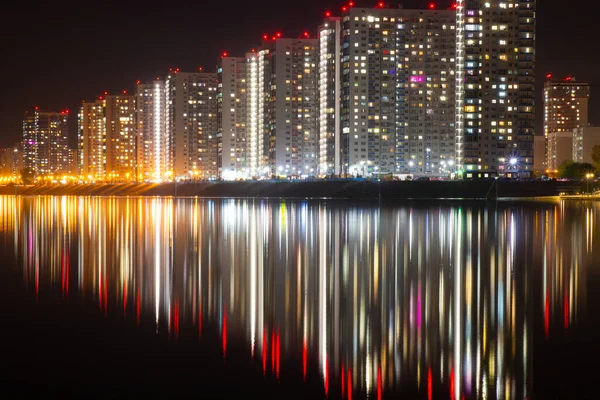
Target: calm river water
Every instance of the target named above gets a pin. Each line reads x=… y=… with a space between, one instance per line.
x=310 y=299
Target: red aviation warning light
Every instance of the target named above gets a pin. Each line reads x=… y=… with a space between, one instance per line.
x=548 y=76
x=124 y=91
x=265 y=37
x=344 y=9
x=327 y=14
x=381 y=4
x=432 y=6
x=137 y=82
x=351 y=4
x=278 y=34
x=306 y=34
x=454 y=6
x=568 y=78
x=224 y=54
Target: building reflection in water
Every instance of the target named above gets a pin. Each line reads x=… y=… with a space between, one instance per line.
x=431 y=299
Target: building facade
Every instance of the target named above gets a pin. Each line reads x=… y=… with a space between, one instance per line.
x=191 y=125
x=387 y=78
x=151 y=137
x=119 y=111
x=45 y=142
x=565 y=109
x=584 y=140
x=233 y=116
x=560 y=149
x=91 y=148
x=284 y=107
x=495 y=90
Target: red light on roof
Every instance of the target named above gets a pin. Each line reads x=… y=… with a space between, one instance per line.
x=432 y=6
x=380 y=4
x=351 y=4
x=454 y=6
x=67 y=111
x=137 y=83
x=305 y=34
x=549 y=76
x=568 y=78
x=100 y=98
x=344 y=8
x=37 y=108
x=124 y=91
x=278 y=34
x=327 y=14
x=105 y=92
x=224 y=54
x=265 y=37
x=199 y=68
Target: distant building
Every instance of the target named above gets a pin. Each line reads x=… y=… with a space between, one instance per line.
x=283 y=112
x=45 y=137
x=495 y=91
x=387 y=92
x=73 y=170
x=565 y=108
x=191 y=125
x=233 y=117
x=584 y=140
x=91 y=145
x=539 y=154
x=560 y=149
x=151 y=136
x=120 y=137
x=106 y=140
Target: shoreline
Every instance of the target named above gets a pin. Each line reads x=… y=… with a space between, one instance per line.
x=342 y=189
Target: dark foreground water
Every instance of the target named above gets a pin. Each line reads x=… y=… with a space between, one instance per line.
x=156 y=297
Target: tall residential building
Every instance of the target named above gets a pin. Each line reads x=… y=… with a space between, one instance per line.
x=91 y=147
x=584 y=141
x=283 y=112
x=560 y=149
x=45 y=137
x=565 y=108
x=233 y=116
x=392 y=72
x=119 y=112
x=191 y=125
x=151 y=136
x=495 y=90
x=11 y=160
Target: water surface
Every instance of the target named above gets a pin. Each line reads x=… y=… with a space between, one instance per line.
x=300 y=298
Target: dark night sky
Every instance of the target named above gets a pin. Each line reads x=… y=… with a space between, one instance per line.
x=57 y=54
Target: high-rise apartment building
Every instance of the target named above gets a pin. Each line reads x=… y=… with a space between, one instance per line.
x=392 y=72
x=233 y=116
x=45 y=142
x=495 y=90
x=119 y=111
x=584 y=141
x=11 y=161
x=106 y=139
x=565 y=109
x=283 y=112
x=151 y=136
x=91 y=140
x=191 y=125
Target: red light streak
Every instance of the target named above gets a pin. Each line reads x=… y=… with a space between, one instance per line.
x=278 y=352
x=304 y=358
x=224 y=334
x=264 y=352
x=379 y=383
x=273 y=343
x=342 y=379
x=547 y=316
x=326 y=376
x=452 y=382
x=429 y=384
x=349 y=384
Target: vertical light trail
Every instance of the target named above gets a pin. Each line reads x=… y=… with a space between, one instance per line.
x=158 y=134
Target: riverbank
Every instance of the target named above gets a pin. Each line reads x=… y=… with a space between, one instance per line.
x=334 y=189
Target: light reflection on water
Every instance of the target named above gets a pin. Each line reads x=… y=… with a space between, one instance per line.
x=436 y=298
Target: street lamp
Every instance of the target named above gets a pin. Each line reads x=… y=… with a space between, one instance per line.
x=513 y=164
x=589 y=177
